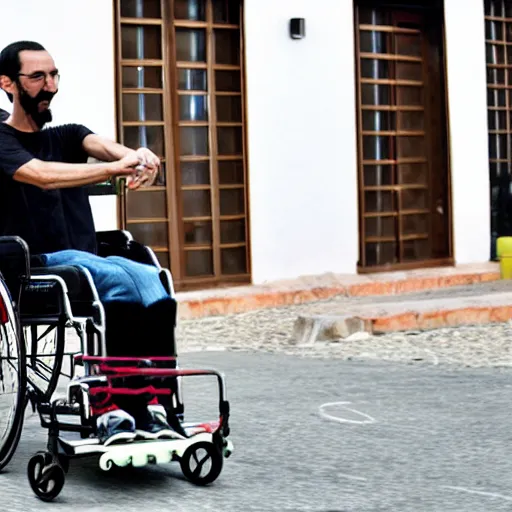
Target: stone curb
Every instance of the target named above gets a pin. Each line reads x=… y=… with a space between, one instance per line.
x=310 y=329
x=249 y=298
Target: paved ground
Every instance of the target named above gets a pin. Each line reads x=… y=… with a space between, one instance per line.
x=397 y=437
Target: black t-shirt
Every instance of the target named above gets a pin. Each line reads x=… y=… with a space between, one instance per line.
x=48 y=220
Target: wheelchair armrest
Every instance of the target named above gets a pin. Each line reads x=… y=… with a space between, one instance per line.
x=116 y=238
x=121 y=243
x=14 y=262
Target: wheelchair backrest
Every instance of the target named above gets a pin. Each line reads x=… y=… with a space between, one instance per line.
x=14 y=263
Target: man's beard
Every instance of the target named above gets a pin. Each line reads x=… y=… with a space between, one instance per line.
x=31 y=106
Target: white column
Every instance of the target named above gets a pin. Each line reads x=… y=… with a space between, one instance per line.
x=467 y=96
x=302 y=138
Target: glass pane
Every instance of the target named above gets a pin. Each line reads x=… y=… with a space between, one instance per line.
x=410 y=147
x=190 y=45
x=412 y=174
x=192 y=80
x=374 y=42
x=163 y=259
x=495 y=76
x=378 y=175
x=414 y=224
x=496 y=97
x=409 y=95
x=384 y=253
x=194 y=140
x=194 y=10
x=376 y=148
x=199 y=263
x=226 y=11
x=161 y=178
x=140 y=9
x=151 y=137
x=229 y=140
x=497 y=146
x=139 y=77
x=229 y=109
x=375 y=68
x=231 y=172
x=227 y=81
x=199 y=232
x=372 y=94
x=146 y=205
x=379 y=201
x=227 y=47
x=414 y=199
x=193 y=108
x=233 y=261
x=142 y=107
x=494 y=8
x=409 y=71
x=232 y=201
x=408 y=45
x=195 y=173
x=232 y=231
x=411 y=121
x=369 y=16
x=380 y=226
x=494 y=30
x=196 y=203
x=141 y=42
x=495 y=53
x=416 y=250
x=153 y=233
x=376 y=120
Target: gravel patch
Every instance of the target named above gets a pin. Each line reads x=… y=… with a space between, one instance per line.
x=270 y=330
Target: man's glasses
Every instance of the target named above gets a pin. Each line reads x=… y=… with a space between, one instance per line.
x=40 y=77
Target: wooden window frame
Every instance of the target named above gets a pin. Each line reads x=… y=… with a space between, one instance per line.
x=171 y=125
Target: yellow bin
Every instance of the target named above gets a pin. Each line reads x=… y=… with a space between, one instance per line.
x=504 y=253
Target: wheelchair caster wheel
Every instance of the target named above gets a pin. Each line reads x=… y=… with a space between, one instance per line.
x=45 y=475
x=201 y=463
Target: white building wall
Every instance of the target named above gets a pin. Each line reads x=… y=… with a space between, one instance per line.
x=80 y=37
x=302 y=138
x=467 y=100
x=301 y=121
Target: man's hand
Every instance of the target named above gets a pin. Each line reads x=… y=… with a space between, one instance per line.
x=147 y=169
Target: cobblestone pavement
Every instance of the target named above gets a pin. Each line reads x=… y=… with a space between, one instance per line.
x=270 y=330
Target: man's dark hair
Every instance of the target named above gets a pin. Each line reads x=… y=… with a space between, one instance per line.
x=10 y=64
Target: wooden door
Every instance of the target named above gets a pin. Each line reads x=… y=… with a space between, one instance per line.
x=404 y=209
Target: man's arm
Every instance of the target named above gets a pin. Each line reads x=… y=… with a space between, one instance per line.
x=107 y=150
x=104 y=149
x=53 y=175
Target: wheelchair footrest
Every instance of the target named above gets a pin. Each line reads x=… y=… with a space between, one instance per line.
x=135 y=453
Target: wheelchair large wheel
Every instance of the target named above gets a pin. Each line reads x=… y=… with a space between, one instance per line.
x=44 y=346
x=13 y=380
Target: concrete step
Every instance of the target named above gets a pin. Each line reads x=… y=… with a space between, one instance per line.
x=239 y=299
x=477 y=304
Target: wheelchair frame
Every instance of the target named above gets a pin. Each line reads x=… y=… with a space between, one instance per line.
x=46 y=470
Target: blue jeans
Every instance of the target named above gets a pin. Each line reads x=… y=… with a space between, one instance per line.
x=117 y=279
x=140 y=314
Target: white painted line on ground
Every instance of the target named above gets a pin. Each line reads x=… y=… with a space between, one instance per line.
x=352 y=477
x=481 y=493
x=367 y=418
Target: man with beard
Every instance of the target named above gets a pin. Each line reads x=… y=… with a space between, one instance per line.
x=43 y=200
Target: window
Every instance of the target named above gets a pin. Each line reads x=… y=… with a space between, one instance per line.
x=498 y=35
x=400 y=197
x=182 y=95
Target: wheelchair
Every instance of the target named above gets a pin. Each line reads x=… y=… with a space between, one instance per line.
x=37 y=307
